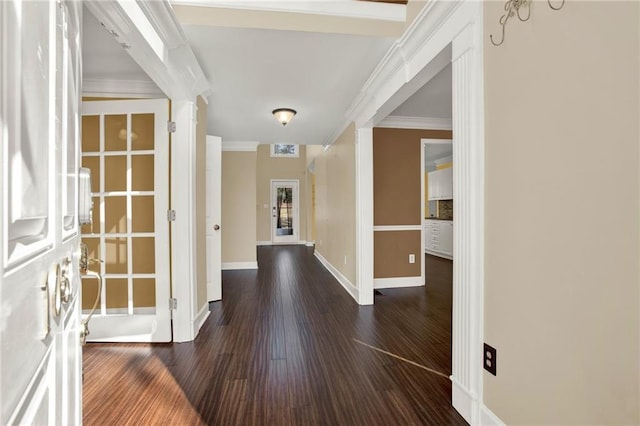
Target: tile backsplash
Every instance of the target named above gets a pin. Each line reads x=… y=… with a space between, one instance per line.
x=445 y=209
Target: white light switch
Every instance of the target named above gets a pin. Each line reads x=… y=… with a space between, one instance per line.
x=412 y=258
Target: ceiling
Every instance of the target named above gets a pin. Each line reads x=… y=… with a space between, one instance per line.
x=436 y=151
x=433 y=100
x=254 y=71
x=102 y=56
x=315 y=64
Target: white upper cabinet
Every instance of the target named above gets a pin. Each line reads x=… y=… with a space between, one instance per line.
x=440 y=184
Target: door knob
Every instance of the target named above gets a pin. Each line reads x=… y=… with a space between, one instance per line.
x=216 y=227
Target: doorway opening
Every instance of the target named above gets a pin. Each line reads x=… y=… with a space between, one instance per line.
x=285 y=217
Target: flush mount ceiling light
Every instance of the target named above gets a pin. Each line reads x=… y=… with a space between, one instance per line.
x=284 y=115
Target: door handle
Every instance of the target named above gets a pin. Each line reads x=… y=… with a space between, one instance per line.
x=216 y=227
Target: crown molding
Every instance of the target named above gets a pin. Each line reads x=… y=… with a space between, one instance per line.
x=240 y=146
x=423 y=123
x=120 y=88
x=443 y=160
x=351 y=9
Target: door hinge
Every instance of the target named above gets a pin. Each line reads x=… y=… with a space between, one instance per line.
x=173 y=303
x=171 y=126
x=171 y=215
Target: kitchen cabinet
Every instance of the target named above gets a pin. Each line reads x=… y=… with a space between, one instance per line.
x=438 y=237
x=440 y=184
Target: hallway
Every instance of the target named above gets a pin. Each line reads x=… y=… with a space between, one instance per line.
x=288 y=345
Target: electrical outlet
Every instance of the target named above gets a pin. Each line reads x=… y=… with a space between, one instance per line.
x=490 y=359
x=412 y=258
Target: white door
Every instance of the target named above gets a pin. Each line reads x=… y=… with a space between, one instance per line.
x=285 y=217
x=126 y=145
x=40 y=353
x=214 y=216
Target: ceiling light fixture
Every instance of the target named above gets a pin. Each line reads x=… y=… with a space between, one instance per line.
x=284 y=115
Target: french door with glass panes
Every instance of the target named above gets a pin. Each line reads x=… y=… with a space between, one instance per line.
x=126 y=146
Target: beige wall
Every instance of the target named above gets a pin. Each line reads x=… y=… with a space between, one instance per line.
x=562 y=195
x=238 y=206
x=336 y=204
x=278 y=168
x=201 y=199
x=397 y=198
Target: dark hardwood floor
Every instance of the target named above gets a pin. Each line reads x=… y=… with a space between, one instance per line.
x=286 y=346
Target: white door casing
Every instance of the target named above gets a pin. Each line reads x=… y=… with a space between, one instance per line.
x=285 y=213
x=132 y=323
x=41 y=358
x=214 y=218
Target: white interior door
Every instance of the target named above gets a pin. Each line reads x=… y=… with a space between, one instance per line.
x=285 y=207
x=126 y=145
x=214 y=216
x=40 y=353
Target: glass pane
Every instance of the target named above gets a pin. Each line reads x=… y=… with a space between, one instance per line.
x=93 y=244
x=142 y=173
x=142 y=214
x=144 y=255
x=93 y=163
x=89 y=293
x=142 y=131
x=281 y=149
x=284 y=215
x=91 y=133
x=116 y=256
x=115 y=215
x=117 y=292
x=115 y=173
x=115 y=132
x=144 y=292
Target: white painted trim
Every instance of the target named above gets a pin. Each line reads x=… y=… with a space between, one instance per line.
x=351 y=9
x=364 y=215
x=240 y=146
x=422 y=213
x=183 y=229
x=120 y=88
x=199 y=320
x=423 y=123
x=264 y=243
x=398 y=282
x=442 y=28
x=344 y=282
x=310 y=243
x=233 y=266
x=397 y=227
x=286 y=243
x=488 y=418
x=436 y=141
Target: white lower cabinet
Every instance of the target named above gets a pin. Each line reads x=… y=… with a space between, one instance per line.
x=438 y=237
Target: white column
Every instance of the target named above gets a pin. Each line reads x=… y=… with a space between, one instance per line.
x=364 y=215
x=183 y=229
x=468 y=242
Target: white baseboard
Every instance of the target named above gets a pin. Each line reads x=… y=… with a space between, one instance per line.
x=398 y=282
x=351 y=289
x=232 y=266
x=487 y=418
x=263 y=243
x=310 y=243
x=462 y=400
x=200 y=319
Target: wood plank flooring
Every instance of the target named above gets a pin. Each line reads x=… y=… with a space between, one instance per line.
x=281 y=349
